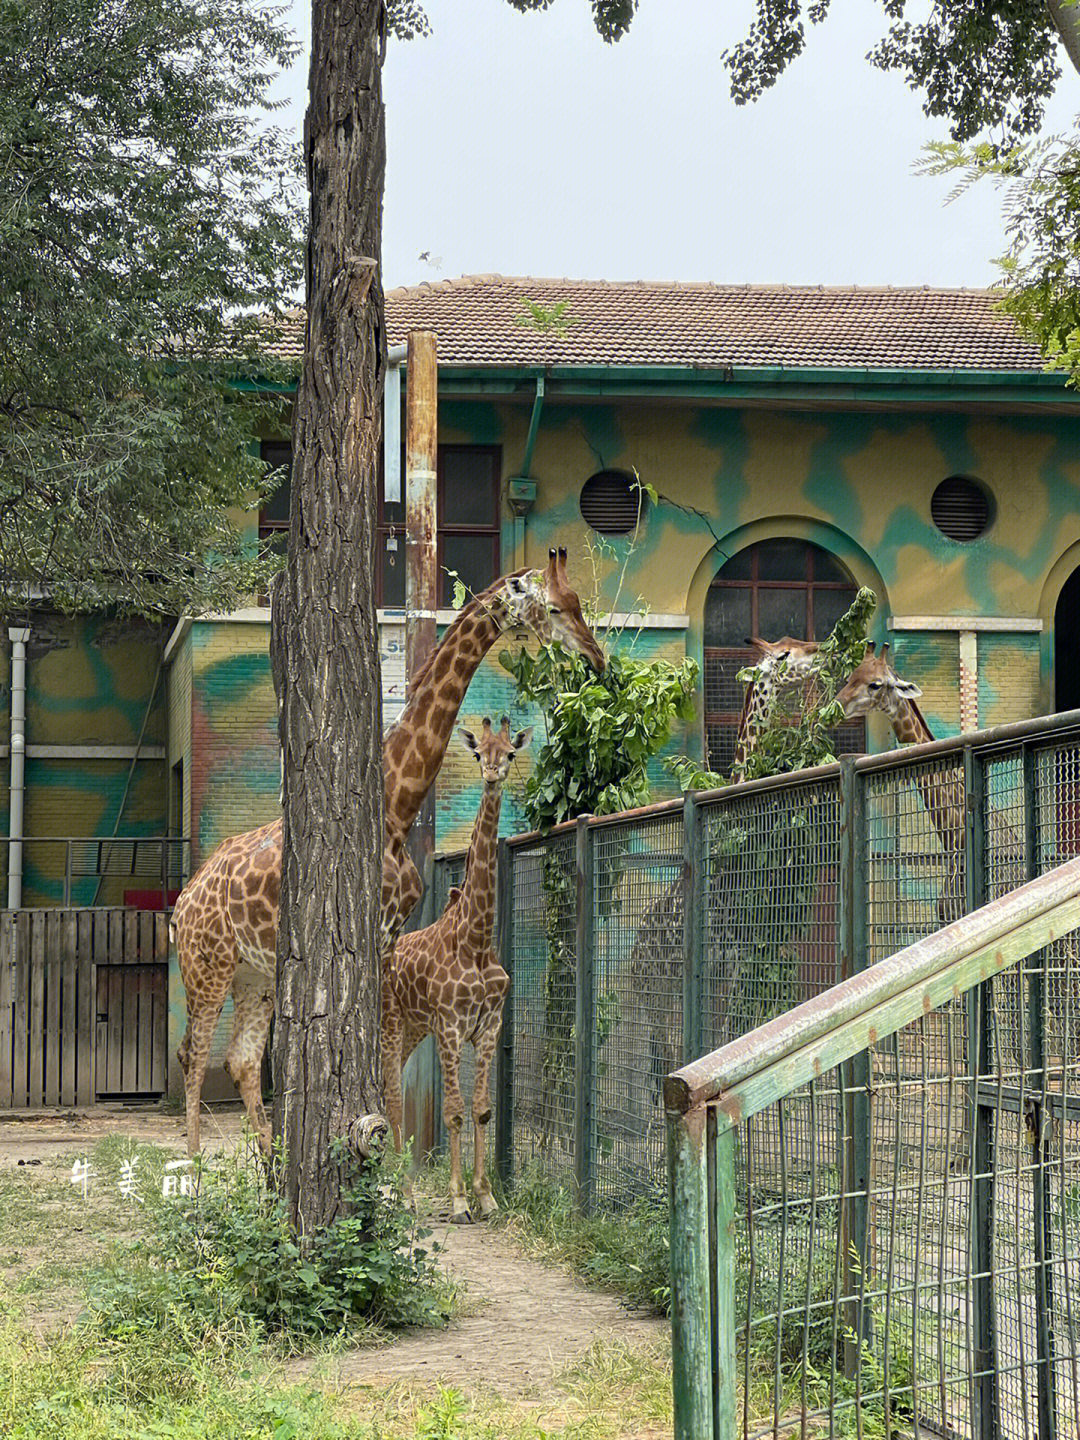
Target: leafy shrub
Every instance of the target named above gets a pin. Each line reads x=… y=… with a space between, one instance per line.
x=602 y=730
x=225 y=1261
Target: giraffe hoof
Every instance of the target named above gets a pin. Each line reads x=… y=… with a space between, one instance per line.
x=488 y=1206
x=462 y=1215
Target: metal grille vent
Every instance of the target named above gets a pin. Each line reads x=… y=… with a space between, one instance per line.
x=961 y=508
x=611 y=502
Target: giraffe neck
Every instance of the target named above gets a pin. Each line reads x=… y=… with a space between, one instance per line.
x=413 y=750
x=755 y=707
x=908 y=725
x=476 y=908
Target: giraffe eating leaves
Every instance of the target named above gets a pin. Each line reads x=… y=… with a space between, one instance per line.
x=783 y=662
x=225 y=921
x=446 y=979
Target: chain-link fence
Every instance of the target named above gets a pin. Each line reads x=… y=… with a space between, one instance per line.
x=636 y=942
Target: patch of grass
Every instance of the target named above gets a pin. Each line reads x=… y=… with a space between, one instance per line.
x=69 y=1389
x=627 y=1252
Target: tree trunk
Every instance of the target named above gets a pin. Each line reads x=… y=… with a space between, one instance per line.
x=324 y=643
x=1066 y=20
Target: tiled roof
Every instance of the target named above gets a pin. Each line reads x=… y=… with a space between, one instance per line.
x=711 y=326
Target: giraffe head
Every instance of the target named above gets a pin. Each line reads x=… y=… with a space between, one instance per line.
x=875 y=685
x=544 y=601
x=800 y=657
x=495 y=750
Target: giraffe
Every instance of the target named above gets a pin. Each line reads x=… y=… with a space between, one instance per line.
x=446 y=980
x=224 y=924
x=875 y=685
x=783 y=662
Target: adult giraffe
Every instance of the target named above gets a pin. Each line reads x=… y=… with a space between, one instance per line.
x=225 y=921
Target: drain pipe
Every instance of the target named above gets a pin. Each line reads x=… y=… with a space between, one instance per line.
x=396 y=356
x=18 y=640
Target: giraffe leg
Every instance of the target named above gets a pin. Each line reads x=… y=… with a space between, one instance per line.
x=253 y=1005
x=393 y=1059
x=487 y=1038
x=449 y=1047
x=203 y=1010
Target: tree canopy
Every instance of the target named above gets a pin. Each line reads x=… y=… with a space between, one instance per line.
x=148 y=213
x=979 y=64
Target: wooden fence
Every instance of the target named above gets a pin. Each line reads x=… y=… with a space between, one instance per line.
x=83 y=1006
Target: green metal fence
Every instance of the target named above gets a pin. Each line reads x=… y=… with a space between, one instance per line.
x=876 y=1197
x=636 y=942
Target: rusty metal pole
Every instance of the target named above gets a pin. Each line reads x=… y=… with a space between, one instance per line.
x=421 y=538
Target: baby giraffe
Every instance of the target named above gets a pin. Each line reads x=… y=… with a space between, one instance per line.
x=445 y=980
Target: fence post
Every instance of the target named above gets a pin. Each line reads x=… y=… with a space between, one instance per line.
x=854 y=1117
x=584 y=1018
x=1042 y=1213
x=701 y=1193
x=504 y=1073
x=979 y=1001
x=693 y=926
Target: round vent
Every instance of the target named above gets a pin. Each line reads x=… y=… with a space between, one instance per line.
x=961 y=508
x=612 y=502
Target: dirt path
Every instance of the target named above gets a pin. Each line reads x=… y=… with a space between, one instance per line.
x=531 y=1321
x=26 y=1136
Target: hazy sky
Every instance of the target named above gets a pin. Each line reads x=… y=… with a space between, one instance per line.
x=522 y=144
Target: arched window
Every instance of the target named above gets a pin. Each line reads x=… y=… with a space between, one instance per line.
x=778 y=587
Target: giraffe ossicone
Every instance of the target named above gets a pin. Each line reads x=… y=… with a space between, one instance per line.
x=446 y=980
x=224 y=924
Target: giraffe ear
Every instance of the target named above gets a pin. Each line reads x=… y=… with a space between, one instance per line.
x=907 y=688
x=522 y=738
x=470 y=740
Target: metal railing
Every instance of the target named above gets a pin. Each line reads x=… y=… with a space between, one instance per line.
x=88 y=870
x=636 y=942
x=875 y=1199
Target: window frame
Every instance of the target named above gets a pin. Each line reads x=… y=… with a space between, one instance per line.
x=493 y=530
x=267 y=527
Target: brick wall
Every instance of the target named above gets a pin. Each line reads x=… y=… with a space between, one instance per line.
x=1008 y=677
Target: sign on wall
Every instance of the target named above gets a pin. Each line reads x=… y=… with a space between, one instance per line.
x=392 y=658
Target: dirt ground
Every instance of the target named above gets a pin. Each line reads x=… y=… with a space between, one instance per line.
x=26 y=1136
x=525 y=1323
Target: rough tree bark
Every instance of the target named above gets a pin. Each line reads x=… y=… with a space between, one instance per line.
x=324 y=644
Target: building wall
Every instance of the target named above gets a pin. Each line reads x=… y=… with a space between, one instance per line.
x=235 y=768
x=857 y=483
x=91 y=681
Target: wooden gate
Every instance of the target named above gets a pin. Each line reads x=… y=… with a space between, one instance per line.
x=83 y=1006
